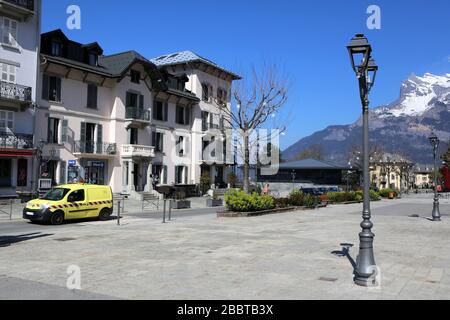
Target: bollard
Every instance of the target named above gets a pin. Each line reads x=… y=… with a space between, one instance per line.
x=11 y=210
x=164 y=212
x=170 y=210
x=118 y=213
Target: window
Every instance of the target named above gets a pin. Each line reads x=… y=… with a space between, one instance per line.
x=160 y=111
x=57 y=48
x=9 y=31
x=92 y=59
x=159 y=174
x=53 y=126
x=135 y=76
x=206 y=92
x=6 y=121
x=51 y=88
x=221 y=97
x=133 y=136
x=181 y=147
x=158 y=141
x=205 y=117
x=182 y=115
x=132 y=99
x=181 y=175
x=76 y=196
x=92 y=96
x=8 y=73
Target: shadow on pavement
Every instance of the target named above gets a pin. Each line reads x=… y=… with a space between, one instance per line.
x=345 y=252
x=6 y=241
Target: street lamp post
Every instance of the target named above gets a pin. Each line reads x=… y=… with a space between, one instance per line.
x=365 y=270
x=434 y=141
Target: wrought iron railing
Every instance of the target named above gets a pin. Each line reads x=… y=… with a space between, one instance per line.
x=27 y=4
x=137 y=114
x=16 y=92
x=92 y=147
x=15 y=141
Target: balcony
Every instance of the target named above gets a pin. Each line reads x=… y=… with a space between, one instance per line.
x=136 y=151
x=137 y=117
x=15 y=93
x=15 y=141
x=92 y=149
x=21 y=9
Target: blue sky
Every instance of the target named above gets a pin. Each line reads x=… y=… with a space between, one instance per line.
x=306 y=38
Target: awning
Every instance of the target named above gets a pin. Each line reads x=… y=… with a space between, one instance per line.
x=16 y=153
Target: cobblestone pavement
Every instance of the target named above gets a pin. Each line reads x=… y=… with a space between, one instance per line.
x=282 y=256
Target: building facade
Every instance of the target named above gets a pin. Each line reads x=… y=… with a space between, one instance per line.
x=121 y=120
x=392 y=172
x=19 y=61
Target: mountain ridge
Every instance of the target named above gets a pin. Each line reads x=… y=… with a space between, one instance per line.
x=402 y=126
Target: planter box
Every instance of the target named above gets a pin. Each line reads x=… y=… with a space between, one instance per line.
x=181 y=204
x=228 y=214
x=210 y=203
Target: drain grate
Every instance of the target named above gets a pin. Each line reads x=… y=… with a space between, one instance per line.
x=325 y=279
x=65 y=239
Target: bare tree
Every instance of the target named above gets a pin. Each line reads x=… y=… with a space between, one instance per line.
x=256 y=100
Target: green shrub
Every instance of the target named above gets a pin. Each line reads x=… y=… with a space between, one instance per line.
x=282 y=202
x=385 y=192
x=205 y=182
x=296 y=198
x=239 y=201
x=340 y=197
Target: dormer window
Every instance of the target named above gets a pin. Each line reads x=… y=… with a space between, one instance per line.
x=135 y=76
x=56 y=49
x=93 y=59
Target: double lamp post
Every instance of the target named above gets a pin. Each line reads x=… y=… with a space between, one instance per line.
x=366 y=69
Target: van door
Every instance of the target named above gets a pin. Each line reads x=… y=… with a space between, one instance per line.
x=77 y=205
x=93 y=201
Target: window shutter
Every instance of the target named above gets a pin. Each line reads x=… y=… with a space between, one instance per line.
x=186 y=145
x=166 y=110
x=49 y=131
x=99 y=138
x=128 y=100
x=211 y=120
x=58 y=89
x=129 y=135
x=153 y=138
x=162 y=141
x=186 y=175
x=83 y=132
x=64 y=131
x=165 y=174
x=141 y=102
x=222 y=124
x=45 y=81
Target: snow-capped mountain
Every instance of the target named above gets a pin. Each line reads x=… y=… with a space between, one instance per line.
x=400 y=127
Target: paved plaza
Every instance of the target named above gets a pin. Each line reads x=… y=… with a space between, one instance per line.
x=291 y=255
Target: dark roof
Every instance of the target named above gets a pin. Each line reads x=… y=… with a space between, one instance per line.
x=117 y=64
x=312 y=164
x=73 y=63
x=184 y=57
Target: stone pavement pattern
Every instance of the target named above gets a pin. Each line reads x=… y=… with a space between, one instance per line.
x=283 y=256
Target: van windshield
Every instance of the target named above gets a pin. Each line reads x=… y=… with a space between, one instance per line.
x=56 y=194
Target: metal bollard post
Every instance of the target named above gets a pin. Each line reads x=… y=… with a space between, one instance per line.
x=118 y=213
x=164 y=212
x=170 y=210
x=11 y=210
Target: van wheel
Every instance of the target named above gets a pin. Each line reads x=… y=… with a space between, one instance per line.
x=57 y=218
x=104 y=214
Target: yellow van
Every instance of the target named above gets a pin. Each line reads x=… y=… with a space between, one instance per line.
x=71 y=202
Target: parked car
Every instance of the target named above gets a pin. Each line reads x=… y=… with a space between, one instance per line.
x=71 y=202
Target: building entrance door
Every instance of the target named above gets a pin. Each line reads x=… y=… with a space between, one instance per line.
x=95 y=172
x=5 y=172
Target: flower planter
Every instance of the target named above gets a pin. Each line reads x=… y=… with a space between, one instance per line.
x=181 y=204
x=210 y=203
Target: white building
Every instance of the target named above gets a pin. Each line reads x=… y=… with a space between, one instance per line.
x=119 y=120
x=19 y=59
